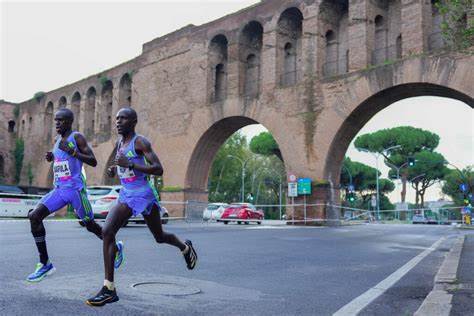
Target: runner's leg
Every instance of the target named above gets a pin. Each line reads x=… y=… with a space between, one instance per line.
x=153 y=221
x=38 y=231
x=115 y=219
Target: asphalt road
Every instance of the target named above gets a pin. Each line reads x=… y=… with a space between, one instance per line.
x=242 y=270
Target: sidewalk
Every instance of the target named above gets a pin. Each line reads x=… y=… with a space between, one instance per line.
x=463 y=291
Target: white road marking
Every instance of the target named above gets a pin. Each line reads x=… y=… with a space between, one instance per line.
x=360 y=302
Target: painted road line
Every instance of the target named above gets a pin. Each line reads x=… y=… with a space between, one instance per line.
x=359 y=303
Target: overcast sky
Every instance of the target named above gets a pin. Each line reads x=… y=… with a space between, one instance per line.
x=45 y=45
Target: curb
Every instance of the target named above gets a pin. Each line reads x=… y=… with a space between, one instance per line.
x=438 y=301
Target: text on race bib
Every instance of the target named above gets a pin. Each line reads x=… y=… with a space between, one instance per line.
x=125 y=174
x=61 y=170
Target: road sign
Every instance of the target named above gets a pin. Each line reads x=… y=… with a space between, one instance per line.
x=304 y=186
x=292 y=189
x=373 y=201
x=463 y=187
x=350 y=188
x=292 y=177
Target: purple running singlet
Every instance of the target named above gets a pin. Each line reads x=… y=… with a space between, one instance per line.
x=137 y=192
x=69 y=184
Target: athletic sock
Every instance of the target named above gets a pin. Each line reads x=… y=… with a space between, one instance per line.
x=109 y=285
x=40 y=240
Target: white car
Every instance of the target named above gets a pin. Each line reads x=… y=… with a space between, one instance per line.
x=104 y=197
x=214 y=211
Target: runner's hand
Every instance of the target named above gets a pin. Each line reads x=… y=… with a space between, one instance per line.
x=63 y=145
x=111 y=171
x=49 y=156
x=121 y=160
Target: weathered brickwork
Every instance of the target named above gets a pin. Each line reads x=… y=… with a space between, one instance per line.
x=312 y=72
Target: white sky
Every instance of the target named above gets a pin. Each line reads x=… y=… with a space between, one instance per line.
x=45 y=45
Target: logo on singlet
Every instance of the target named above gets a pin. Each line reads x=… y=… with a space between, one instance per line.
x=125 y=174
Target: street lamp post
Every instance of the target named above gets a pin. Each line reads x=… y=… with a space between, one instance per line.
x=377 y=155
x=243 y=172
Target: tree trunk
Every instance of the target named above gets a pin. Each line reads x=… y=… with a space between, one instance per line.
x=422 y=196
x=417 y=197
x=404 y=187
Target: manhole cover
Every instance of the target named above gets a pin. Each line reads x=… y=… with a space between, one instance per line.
x=166 y=288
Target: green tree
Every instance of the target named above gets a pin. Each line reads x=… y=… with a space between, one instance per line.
x=18 y=154
x=410 y=140
x=364 y=182
x=265 y=144
x=452 y=181
x=457 y=31
x=430 y=168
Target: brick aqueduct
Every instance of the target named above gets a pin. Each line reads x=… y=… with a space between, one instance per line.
x=312 y=72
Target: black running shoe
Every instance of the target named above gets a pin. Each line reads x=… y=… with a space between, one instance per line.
x=105 y=296
x=191 y=256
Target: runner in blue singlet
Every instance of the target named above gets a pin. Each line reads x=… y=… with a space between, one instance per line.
x=134 y=161
x=69 y=152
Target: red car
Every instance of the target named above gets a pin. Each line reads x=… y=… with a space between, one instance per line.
x=241 y=212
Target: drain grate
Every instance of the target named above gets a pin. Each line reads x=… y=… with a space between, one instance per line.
x=166 y=288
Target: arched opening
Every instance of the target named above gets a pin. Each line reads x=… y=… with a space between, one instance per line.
x=90 y=113
x=76 y=110
x=30 y=124
x=250 y=54
x=415 y=102
x=125 y=91
x=48 y=122
x=333 y=17
x=62 y=102
x=106 y=111
x=2 y=169
x=290 y=30
x=399 y=47
x=218 y=66
x=380 y=41
x=387 y=19
x=11 y=126
x=435 y=38
x=234 y=166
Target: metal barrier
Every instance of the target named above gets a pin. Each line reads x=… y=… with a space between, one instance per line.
x=194 y=210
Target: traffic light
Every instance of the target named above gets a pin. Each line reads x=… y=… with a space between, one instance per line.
x=411 y=161
x=350 y=197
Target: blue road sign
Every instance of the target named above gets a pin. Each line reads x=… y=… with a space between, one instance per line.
x=350 y=187
x=463 y=187
x=304 y=186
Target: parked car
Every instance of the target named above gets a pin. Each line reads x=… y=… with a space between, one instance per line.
x=103 y=198
x=214 y=211
x=418 y=219
x=241 y=212
x=431 y=220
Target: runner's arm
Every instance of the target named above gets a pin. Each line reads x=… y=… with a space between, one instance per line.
x=84 y=152
x=142 y=145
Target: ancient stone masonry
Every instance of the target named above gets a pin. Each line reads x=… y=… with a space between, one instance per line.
x=312 y=72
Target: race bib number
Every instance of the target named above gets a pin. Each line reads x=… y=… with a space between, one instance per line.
x=125 y=174
x=61 y=169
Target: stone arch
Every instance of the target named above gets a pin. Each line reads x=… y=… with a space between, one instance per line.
x=202 y=157
x=62 y=103
x=250 y=50
x=125 y=91
x=218 y=66
x=334 y=17
x=90 y=113
x=105 y=112
x=48 y=122
x=362 y=113
x=76 y=110
x=289 y=35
